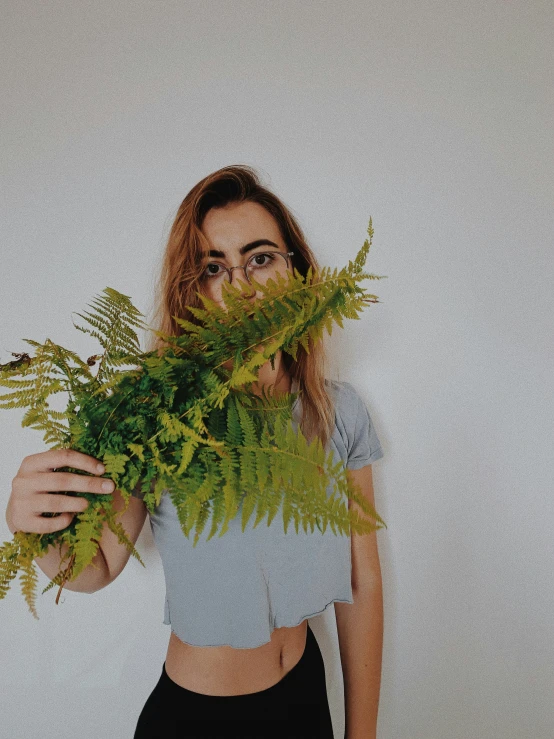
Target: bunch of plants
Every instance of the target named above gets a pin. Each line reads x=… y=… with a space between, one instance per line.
x=183 y=422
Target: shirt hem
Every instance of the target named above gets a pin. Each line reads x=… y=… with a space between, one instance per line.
x=359 y=463
x=276 y=626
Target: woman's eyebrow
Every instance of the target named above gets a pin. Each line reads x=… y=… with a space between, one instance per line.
x=242 y=250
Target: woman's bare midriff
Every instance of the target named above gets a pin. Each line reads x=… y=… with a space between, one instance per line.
x=229 y=671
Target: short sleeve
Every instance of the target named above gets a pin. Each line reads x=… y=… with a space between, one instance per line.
x=364 y=446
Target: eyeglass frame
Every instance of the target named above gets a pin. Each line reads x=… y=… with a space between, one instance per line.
x=285 y=254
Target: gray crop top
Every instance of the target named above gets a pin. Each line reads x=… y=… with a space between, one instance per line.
x=235 y=589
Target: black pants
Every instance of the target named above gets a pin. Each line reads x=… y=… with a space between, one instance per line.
x=294 y=708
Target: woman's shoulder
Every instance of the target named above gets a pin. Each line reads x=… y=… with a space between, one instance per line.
x=355 y=425
x=344 y=393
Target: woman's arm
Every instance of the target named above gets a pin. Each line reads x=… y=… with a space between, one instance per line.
x=360 y=626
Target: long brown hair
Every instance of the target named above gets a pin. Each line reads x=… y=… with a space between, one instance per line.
x=181 y=267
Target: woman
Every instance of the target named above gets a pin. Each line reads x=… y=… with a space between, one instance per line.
x=241 y=659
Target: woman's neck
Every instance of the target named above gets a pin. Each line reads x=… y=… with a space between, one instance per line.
x=279 y=377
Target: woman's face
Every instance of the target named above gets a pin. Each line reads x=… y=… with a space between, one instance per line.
x=232 y=232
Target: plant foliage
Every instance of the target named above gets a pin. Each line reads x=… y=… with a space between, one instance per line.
x=184 y=422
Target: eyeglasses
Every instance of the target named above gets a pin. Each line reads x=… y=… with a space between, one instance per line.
x=273 y=264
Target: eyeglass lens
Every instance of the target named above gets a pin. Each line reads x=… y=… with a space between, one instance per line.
x=262 y=267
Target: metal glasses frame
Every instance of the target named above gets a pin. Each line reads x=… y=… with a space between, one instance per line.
x=284 y=254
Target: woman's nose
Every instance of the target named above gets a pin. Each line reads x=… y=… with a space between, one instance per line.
x=243 y=284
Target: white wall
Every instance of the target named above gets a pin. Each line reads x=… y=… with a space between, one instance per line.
x=435 y=118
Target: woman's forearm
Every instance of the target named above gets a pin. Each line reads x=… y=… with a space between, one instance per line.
x=360 y=632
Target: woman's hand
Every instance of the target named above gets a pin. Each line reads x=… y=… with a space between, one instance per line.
x=37 y=479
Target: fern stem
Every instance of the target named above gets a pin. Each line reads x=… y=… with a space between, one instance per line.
x=252 y=346
x=284 y=452
x=66 y=574
x=209 y=437
x=69 y=377
x=306 y=286
x=113 y=411
x=113 y=332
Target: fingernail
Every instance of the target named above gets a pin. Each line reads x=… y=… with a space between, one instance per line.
x=100 y=469
x=107 y=486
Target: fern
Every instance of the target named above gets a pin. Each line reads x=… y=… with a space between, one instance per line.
x=184 y=423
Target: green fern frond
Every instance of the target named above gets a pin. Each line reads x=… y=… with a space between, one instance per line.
x=182 y=422
x=9 y=564
x=119 y=531
x=112 y=324
x=29 y=578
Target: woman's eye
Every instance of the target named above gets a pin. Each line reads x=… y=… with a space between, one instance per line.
x=262 y=256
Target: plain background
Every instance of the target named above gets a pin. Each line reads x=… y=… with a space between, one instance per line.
x=435 y=118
